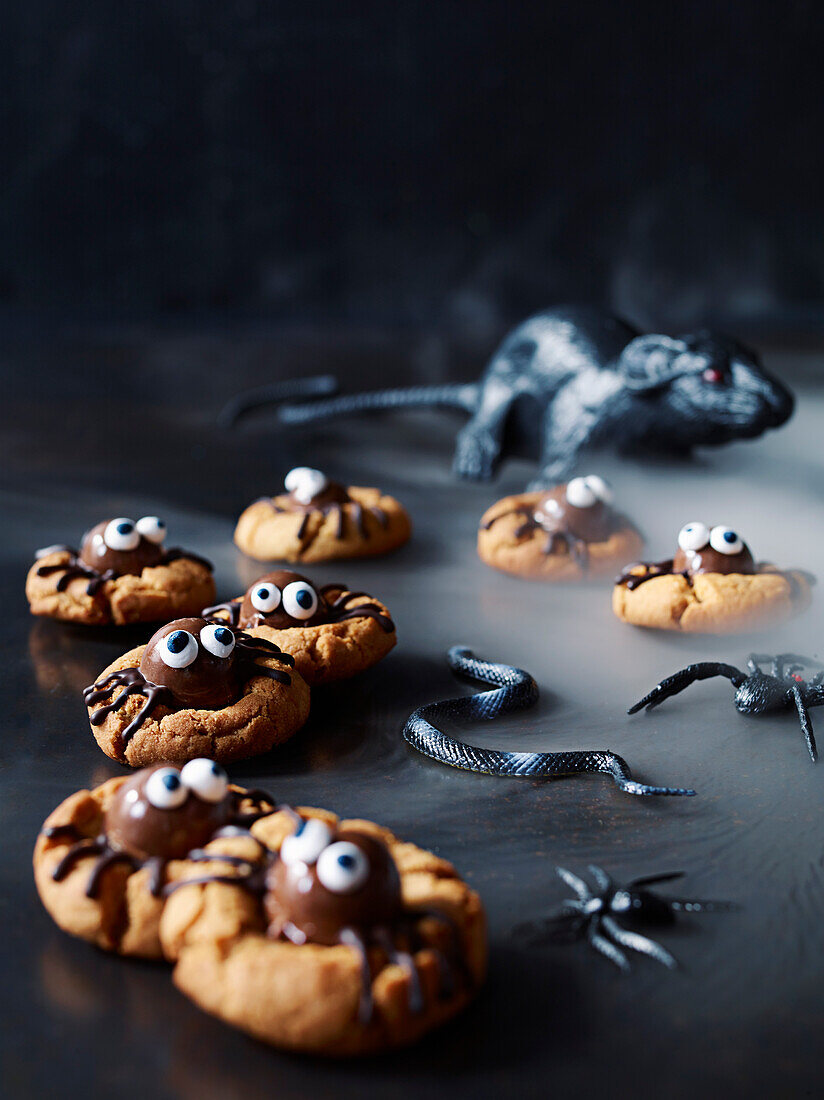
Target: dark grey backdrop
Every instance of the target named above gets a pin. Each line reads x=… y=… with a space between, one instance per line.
x=455 y=163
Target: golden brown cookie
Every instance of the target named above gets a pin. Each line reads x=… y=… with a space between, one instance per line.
x=569 y=533
x=714 y=603
x=332 y=632
x=351 y=942
x=320 y=520
x=100 y=867
x=197 y=689
x=711 y=586
x=121 y=574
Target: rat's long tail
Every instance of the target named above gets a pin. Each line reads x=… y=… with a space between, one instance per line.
x=513 y=690
x=456 y=396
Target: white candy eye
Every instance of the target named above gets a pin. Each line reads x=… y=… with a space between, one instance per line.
x=300 y=600
x=307 y=843
x=305 y=483
x=342 y=867
x=164 y=789
x=725 y=540
x=152 y=528
x=217 y=640
x=580 y=494
x=265 y=597
x=178 y=649
x=601 y=488
x=121 y=534
x=693 y=536
x=206 y=778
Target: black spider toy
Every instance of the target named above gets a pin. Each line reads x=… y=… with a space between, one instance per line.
x=596 y=915
x=757 y=693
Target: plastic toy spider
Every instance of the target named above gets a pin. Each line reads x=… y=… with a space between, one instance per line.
x=162 y=813
x=596 y=915
x=758 y=692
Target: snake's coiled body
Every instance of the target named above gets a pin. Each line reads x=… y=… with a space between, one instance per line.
x=514 y=690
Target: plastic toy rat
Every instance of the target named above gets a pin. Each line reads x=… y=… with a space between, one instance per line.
x=576 y=377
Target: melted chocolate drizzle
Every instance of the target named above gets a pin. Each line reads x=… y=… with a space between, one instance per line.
x=247 y=650
x=360 y=939
x=356 y=509
x=74 y=567
x=654 y=569
x=338 y=608
x=576 y=547
x=107 y=855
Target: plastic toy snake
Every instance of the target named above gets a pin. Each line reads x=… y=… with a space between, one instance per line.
x=513 y=689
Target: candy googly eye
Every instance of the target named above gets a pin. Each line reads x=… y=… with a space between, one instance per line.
x=305 y=845
x=265 y=597
x=178 y=649
x=165 y=789
x=580 y=494
x=305 y=483
x=152 y=528
x=217 y=640
x=725 y=540
x=206 y=779
x=300 y=600
x=693 y=536
x=121 y=534
x=601 y=488
x=342 y=867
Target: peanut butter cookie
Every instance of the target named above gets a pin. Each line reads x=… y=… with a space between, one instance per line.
x=337 y=938
x=103 y=857
x=569 y=533
x=331 y=632
x=320 y=520
x=197 y=689
x=711 y=586
x=121 y=574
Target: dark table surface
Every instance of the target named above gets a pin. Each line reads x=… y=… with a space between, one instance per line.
x=122 y=423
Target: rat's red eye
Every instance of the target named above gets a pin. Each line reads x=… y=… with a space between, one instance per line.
x=712 y=374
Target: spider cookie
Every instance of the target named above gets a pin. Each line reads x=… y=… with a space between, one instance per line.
x=103 y=856
x=196 y=689
x=568 y=533
x=332 y=633
x=711 y=586
x=319 y=520
x=339 y=940
x=121 y=574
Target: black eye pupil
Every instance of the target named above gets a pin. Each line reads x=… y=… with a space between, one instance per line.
x=730 y=536
x=176 y=642
x=125 y=528
x=223 y=635
x=304 y=598
x=171 y=782
x=346 y=861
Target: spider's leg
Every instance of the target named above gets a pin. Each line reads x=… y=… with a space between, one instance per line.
x=636 y=942
x=574 y=883
x=651 y=880
x=351 y=938
x=602 y=944
x=755 y=661
x=704 y=670
x=784 y=659
x=602 y=879
x=806 y=723
x=690 y=905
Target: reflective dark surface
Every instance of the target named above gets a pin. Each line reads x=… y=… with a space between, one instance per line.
x=101 y=427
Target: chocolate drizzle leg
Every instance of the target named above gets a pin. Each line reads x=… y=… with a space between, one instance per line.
x=208 y=681
x=99 y=561
x=149 y=840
